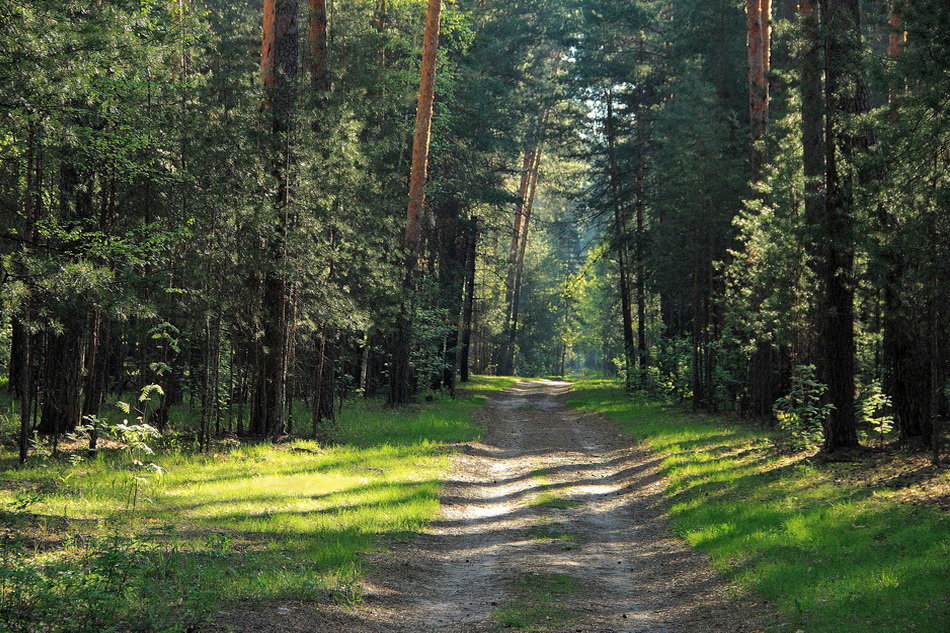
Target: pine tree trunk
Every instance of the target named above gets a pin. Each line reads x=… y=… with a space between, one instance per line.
x=527 y=210
x=620 y=224
x=452 y=253
x=841 y=21
x=506 y=354
x=317 y=36
x=279 y=58
x=468 y=308
x=906 y=353
x=758 y=17
x=400 y=387
x=97 y=365
x=639 y=254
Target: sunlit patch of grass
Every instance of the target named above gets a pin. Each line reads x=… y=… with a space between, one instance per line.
x=834 y=555
x=552 y=500
x=255 y=522
x=538 y=603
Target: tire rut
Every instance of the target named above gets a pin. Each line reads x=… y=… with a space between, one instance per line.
x=602 y=525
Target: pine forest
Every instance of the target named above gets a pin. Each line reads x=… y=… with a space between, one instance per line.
x=405 y=316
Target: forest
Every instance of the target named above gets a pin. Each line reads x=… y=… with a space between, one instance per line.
x=313 y=242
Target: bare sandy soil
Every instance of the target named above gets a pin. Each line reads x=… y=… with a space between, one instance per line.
x=609 y=535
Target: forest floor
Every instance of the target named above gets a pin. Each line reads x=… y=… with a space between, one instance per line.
x=554 y=522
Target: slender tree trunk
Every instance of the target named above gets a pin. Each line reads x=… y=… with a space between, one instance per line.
x=468 y=308
x=96 y=366
x=527 y=210
x=762 y=380
x=452 y=253
x=620 y=226
x=506 y=356
x=639 y=254
x=26 y=390
x=324 y=388
x=399 y=379
x=318 y=31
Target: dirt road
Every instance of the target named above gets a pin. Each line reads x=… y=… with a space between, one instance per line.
x=551 y=496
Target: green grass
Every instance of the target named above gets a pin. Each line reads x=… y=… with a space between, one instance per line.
x=159 y=552
x=552 y=531
x=833 y=554
x=537 y=603
x=551 y=500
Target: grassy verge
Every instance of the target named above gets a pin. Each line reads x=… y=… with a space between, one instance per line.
x=836 y=547
x=104 y=544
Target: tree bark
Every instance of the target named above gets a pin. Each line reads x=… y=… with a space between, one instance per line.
x=506 y=354
x=527 y=210
x=317 y=36
x=758 y=17
x=279 y=58
x=400 y=386
x=620 y=224
x=468 y=307
x=841 y=21
x=423 y=130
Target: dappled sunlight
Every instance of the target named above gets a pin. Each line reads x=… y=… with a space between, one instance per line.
x=267 y=521
x=790 y=530
x=550 y=493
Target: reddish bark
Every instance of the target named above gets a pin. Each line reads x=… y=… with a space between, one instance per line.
x=279 y=58
x=400 y=378
x=423 y=130
x=317 y=36
x=758 y=16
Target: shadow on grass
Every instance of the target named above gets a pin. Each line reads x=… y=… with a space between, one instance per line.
x=836 y=557
x=254 y=523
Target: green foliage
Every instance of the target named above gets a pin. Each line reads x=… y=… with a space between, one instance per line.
x=802 y=414
x=875 y=411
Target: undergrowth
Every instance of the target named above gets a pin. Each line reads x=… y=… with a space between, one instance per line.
x=254 y=522
x=834 y=554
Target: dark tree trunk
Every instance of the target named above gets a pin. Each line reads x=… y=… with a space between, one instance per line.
x=18 y=345
x=841 y=19
x=452 y=253
x=97 y=366
x=62 y=382
x=620 y=237
x=324 y=388
x=468 y=309
x=906 y=349
x=279 y=58
x=639 y=253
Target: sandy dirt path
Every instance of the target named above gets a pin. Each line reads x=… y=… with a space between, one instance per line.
x=608 y=535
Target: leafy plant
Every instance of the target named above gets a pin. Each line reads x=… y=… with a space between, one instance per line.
x=874 y=410
x=801 y=413
x=135 y=440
